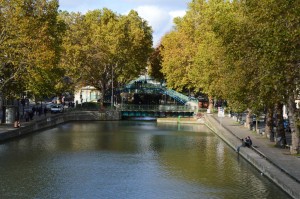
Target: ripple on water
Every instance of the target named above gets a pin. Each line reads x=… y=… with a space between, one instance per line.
x=127 y=160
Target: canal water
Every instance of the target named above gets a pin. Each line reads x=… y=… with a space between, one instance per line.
x=128 y=160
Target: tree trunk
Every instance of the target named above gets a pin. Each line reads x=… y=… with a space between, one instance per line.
x=210 y=105
x=256 y=123
x=269 y=124
x=280 y=133
x=249 y=121
x=293 y=125
x=3 y=114
x=101 y=87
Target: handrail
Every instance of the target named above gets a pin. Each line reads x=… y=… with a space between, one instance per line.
x=131 y=107
x=147 y=84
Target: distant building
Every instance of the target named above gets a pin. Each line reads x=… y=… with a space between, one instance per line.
x=86 y=94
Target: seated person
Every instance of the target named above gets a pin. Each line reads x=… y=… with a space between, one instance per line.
x=248 y=141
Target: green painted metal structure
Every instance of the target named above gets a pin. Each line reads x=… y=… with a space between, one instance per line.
x=182 y=105
x=146 y=84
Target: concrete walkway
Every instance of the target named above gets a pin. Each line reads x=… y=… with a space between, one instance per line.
x=10 y=127
x=276 y=163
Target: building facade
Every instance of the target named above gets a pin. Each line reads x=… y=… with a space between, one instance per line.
x=87 y=94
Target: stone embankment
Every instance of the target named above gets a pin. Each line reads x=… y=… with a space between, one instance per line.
x=7 y=131
x=181 y=120
x=280 y=168
x=275 y=163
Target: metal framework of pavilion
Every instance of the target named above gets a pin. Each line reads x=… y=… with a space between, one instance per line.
x=166 y=102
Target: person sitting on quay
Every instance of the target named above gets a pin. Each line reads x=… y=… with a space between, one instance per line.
x=242 y=145
x=248 y=141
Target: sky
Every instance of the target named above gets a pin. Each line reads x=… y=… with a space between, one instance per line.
x=158 y=13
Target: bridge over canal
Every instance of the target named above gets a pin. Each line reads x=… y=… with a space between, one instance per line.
x=155 y=111
x=146 y=97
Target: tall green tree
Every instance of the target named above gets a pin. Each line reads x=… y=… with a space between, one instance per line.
x=74 y=47
x=30 y=45
x=178 y=57
x=135 y=47
x=246 y=52
x=192 y=55
x=273 y=42
x=155 y=64
x=110 y=48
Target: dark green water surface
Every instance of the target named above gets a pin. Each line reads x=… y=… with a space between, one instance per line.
x=128 y=160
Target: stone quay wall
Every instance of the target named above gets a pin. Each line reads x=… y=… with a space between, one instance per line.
x=255 y=157
x=56 y=119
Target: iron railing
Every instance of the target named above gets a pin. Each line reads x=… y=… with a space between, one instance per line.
x=174 y=108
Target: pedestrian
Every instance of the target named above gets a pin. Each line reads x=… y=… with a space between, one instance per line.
x=242 y=145
x=31 y=114
x=248 y=141
x=45 y=111
x=40 y=110
x=27 y=116
x=17 y=120
x=33 y=110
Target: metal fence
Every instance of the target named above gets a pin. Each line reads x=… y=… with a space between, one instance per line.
x=131 y=107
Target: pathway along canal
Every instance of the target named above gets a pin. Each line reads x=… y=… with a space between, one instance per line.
x=128 y=160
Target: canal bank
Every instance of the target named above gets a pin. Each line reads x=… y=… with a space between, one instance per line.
x=275 y=163
x=128 y=159
x=7 y=131
x=181 y=120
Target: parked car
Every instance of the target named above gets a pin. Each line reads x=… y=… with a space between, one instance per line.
x=49 y=105
x=57 y=108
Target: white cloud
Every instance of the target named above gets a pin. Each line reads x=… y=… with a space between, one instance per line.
x=159 y=19
x=154 y=15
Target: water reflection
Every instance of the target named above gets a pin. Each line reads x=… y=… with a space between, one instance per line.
x=127 y=160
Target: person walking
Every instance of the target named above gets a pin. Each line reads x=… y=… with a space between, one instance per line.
x=33 y=110
x=27 y=116
x=45 y=111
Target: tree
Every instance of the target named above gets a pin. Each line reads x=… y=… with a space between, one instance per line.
x=192 y=54
x=74 y=46
x=275 y=33
x=135 y=47
x=155 y=64
x=177 y=58
x=30 y=46
x=109 y=45
x=246 y=52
